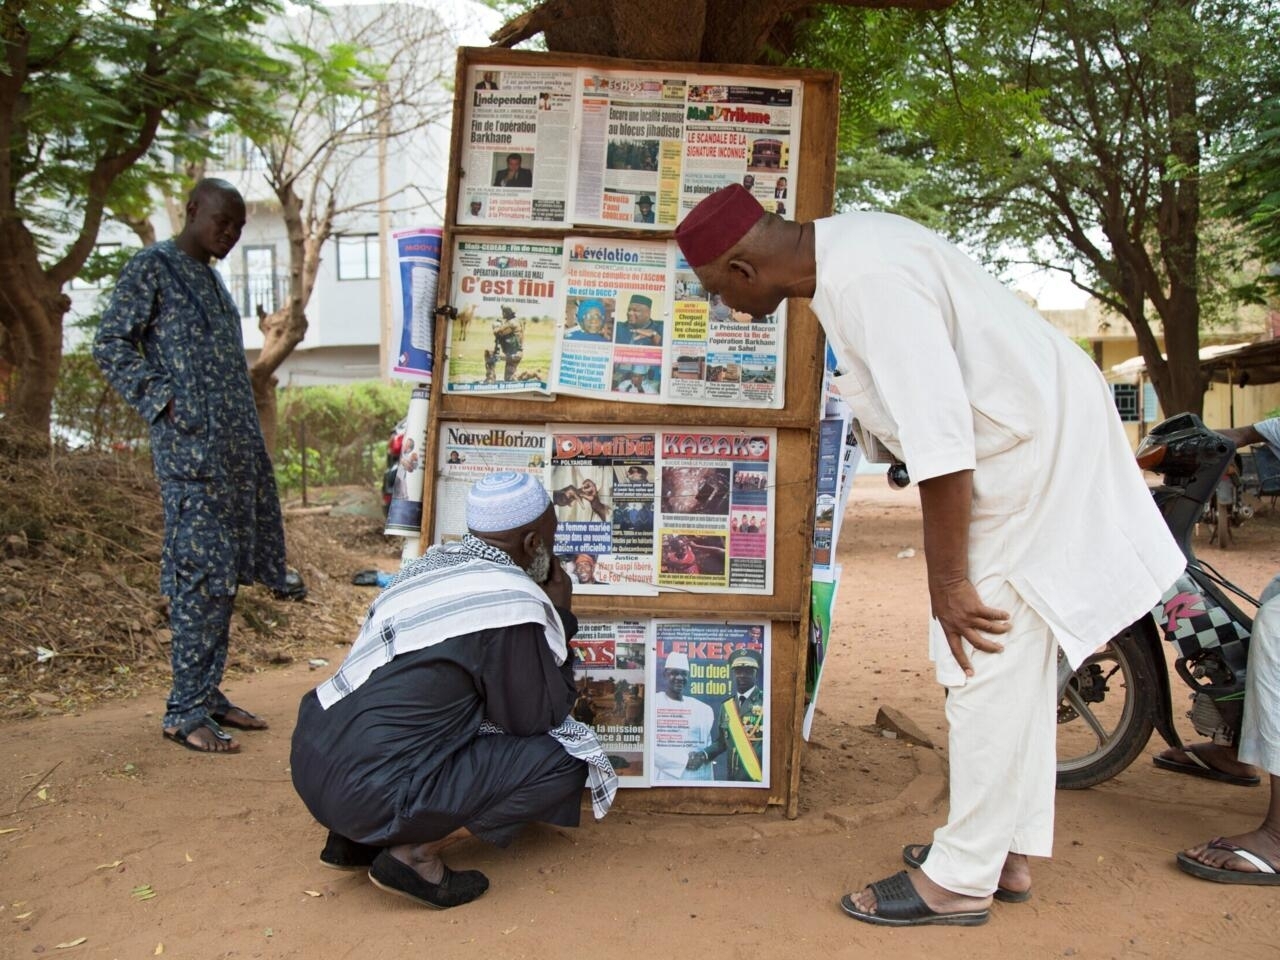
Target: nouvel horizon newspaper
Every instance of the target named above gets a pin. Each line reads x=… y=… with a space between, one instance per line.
x=609 y=674
x=713 y=730
x=468 y=451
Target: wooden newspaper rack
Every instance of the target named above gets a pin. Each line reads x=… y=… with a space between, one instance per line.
x=796 y=424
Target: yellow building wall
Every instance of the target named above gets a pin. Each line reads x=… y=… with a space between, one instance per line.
x=1251 y=404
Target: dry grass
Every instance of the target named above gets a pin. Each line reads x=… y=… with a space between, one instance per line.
x=80 y=537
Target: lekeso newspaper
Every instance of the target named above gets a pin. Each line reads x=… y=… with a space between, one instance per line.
x=631 y=134
x=709 y=715
x=720 y=357
x=608 y=669
x=469 y=451
x=507 y=295
x=517 y=160
x=602 y=486
x=612 y=338
x=741 y=133
x=715 y=523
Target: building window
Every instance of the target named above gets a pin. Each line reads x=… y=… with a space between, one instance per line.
x=94 y=272
x=1150 y=404
x=1125 y=396
x=358 y=256
x=252 y=278
x=232 y=150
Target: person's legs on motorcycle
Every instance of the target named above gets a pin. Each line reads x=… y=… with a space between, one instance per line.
x=1260 y=746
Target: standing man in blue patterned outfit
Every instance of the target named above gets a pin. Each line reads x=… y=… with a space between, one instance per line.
x=170 y=343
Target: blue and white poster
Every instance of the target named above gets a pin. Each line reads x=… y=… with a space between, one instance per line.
x=416 y=257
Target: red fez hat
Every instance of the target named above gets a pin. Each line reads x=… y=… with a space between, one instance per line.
x=718 y=222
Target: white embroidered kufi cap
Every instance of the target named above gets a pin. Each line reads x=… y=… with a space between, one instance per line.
x=677 y=661
x=505 y=501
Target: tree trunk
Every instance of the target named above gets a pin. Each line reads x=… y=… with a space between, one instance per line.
x=31 y=311
x=284 y=329
x=1178 y=225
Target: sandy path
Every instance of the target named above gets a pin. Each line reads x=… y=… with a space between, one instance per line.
x=231 y=854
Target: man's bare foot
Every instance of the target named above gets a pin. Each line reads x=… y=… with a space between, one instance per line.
x=203 y=739
x=939 y=899
x=240 y=719
x=1262 y=843
x=1015 y=875
x=1216 y=757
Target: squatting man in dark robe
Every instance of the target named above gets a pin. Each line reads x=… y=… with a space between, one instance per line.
x=170 y=343
x=1038 y=528
x=449 y=717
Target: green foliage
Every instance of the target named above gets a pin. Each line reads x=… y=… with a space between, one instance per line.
x=1251 y=195
x=88 y=412
x=345 y=429
x=1080 y=134
x=108 y=79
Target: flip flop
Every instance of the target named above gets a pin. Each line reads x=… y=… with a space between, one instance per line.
x=182 y=736
x=1199 y=768
x=918 y=858
x=224 y=719
x=898 y=905
x=1267 y=875
x=453 y=890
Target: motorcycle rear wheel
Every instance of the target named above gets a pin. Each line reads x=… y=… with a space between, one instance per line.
x=1105 y=714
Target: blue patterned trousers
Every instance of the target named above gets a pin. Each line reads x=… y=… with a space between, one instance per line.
x=201 y=625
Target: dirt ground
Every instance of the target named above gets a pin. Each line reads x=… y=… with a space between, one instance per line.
x=116 y=844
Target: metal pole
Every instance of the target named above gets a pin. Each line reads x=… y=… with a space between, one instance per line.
x=302 y=430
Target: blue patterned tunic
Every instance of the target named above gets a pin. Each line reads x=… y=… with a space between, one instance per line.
x=172 y=332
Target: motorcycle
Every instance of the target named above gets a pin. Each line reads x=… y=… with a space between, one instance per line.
x=1110 y=705
x=395 y=443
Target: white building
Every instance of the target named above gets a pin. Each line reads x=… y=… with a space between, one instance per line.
x=346 y=313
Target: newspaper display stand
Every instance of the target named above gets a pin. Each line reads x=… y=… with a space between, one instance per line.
x=795 y=423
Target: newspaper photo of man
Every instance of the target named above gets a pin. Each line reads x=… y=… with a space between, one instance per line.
x=683 y=727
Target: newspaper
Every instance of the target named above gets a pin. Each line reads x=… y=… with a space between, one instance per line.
x=631 y=133
x=709 y=716
x=613 y=336
x=469 y=451
x=517 y=159
x=608 y=670
x=744 y=133
x=415 y=259
x=720 y=357
x=507 y=297
x=651 y=145
x=715 y=513
x=602 y=485
x=404 y=514
x=822 y=603
x=831 y=450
